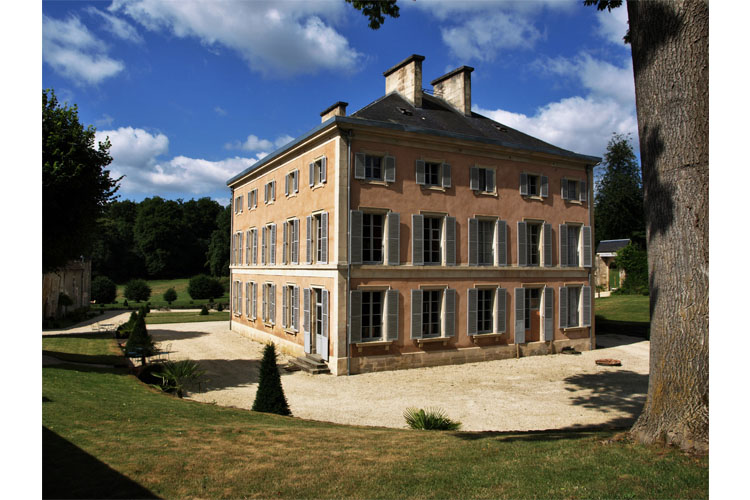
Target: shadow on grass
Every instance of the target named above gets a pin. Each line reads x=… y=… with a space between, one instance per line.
x=89 y=368
x=630 y=328
x=568 y=433
x=607 y=340
x=70 y=472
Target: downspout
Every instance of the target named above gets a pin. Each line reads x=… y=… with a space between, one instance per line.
x=231 y=239
x=348 y=250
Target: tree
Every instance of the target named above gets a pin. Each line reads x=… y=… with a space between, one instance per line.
x=170 y=296
x=103 y=290
x=634 y=261
x=140 y=342
x=218 y=247
x=159 y=236
x=114 y=254
x=618 y=206
x=669 y=46
x=374 y=10
x=270 y=396
x=75 y=186
x=137 y=290
x=204 y=287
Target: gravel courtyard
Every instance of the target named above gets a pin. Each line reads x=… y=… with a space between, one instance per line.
x=534 y=393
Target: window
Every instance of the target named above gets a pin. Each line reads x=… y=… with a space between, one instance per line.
x=575 y=306
x=268 y=245
x=433 y=313
x=372 y=238
x=237 y=302
x=269 y=303
x=270 y=192
x=485 y=235
x=482 y=179
x=431 y=305
x=534 y=185
x=251 y=299
x=433 y=240
x=317 y=238
x=248 y=246
x=238 y=204
x=374 y=167
x=574 y=233
x=531 y=303
x=575 y=245
x=484 y=310
x=534 y=244
x=317 y=174
x=290 y=251
x=253 y=246
x=252 y=199
x=574 y=293
x=433 y=174
x=573 y=189
x=237 y=244
x=290 y=308
x=372 y=315
x=291 y=183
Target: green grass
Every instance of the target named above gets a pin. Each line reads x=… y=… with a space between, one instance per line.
x=107 y=435
x=623 y=314
x=185 y=317
x=98 y=348
x=158 y=287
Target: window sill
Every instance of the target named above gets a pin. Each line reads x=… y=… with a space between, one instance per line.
x=479 y=336
x=290 y=332
x=434 y=188
x=374 y=343
x=574 y=202
x=432 y=340
x=317 y=186
x=492 y=194
x=574 y=328
x=376 y=182
x=533 y=197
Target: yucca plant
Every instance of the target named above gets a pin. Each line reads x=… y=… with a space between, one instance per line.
x=431 y=419
x=179 y=374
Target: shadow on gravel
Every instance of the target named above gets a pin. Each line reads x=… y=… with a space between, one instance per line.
x=227 y=373
x=165 y=335
x=620 y=390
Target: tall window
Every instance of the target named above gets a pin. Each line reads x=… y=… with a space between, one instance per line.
x=574 y=236
x=432 y=240
x=485 y=234
x=431 y=302
x=531 y=303
x=484 y=310
x=432 y=174
x=318 y=218
x=372 y=315
x=533 y=232
x=317 y=174
x=574 y=294
x=533 y=185
x=372 y=238
x=318 y=307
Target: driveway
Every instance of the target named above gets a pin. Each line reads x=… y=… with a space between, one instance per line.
x=534 y=393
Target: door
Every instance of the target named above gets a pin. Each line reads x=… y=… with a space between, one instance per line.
x=533 y=317
x=614 y=278
x=321 y=323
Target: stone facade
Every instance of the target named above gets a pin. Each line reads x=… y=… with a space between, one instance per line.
x=74 y=280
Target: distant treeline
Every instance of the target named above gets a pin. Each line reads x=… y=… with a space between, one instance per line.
x=162 y=239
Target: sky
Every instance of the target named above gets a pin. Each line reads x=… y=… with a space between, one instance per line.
x=191 y=93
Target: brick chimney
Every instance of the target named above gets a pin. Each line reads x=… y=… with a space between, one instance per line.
x=337 y=109
x=406 y=79
x=455 y=88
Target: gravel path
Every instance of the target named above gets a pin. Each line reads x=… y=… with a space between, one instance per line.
x=534 y=393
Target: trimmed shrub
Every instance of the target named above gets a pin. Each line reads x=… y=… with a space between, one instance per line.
x=270 y=396
x=204 y=287
x=170 y=296
x=140 y=341
x=432 y=419
x=137 y=290
x=103 y=290
x=204 y=310
x=125 y=303
x=219 y=307
x=123 y=331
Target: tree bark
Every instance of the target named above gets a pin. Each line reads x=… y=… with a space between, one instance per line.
x=669 y=41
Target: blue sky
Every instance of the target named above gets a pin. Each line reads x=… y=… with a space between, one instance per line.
x=191 y=93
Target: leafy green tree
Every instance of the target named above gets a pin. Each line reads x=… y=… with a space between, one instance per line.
x=634 y=260
x=375 y=10
x=137 y=290
x=159 y=235
x=103 y=290
x=218 y=247
x=114 y=254
x=75 y=186
x=618 y=205
x=270 y=396
x=204 y=287
x=170 y=296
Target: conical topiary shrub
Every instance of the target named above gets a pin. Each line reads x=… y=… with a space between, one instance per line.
x=270 y=396
x=140 y=340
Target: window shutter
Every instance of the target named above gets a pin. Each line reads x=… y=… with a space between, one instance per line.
x=248 y=288
x=549 y=313
x=391 y=315
x=490 y=180
x=390 y=169
x=564 y=188
x=416 y=314
x=248 y=246
x=563 y=307
x=420 y=172
x=309 y=236
x=583 y=192
x=306 y=318
x=272 y=246
x=355 y=316
x=520 y=330
x=323 y=170
x=254 y=290
x=450 y=241
x=263 y=238
x=564 y=245
x=286 y=184
x=474 y=178
x=264 y=306
x=312 y=174
x=417 y=235
x=471 y=314
x=325 y=316
x=501 y=233
x=547 y=228
x=473 y=242
x=240 y=235
x=586 y=296
x=295 y=308
x=449 y=330
x=285 y=244
x=255 y=247
x=393 y=220
x=324 y=237
x=239 y=298
x=586 y=234
x=272 y=305
x=359 y=167
x=273 y=190
x=544 y=190
x=295 y=183
x=522 y=244
x=500 y=310
x=446 y=175
x=524 y=185
x=355 y=236
x=284 y=307
x=295 y=241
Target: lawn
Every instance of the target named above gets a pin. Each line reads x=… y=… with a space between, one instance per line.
x=623 y=314
x=158 y=287
x=107 y=435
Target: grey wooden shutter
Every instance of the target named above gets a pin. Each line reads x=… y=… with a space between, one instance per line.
x=311 y=178
x=240 y=236
x=586 y=234
x=286 y=184
x=309 y=237
x=284 y=307
x=264 y=306
x=449 y=315
x=501 y=310
x=285 y=244
x=564 y=188
x=471 y=314
x=324 y=238
x=248 y=247
x=391 y=315
x=524 y=185
x=522 y=244
x=417 y=236
x=355 y=316
x=247 y=298
x=446 y=175
x=473 y=242
x=586 y=301
x=295 y=178
x=416 y=314
x=520 y=307
x=355 y=236
x=549 y=313
x=295 y=241
x=563 y=321
x=390 y=169
x=547 y=228
x=563 y=228
x=501 y=233
x=359 y=166
x=255 y=246
x=273 y=190
x=323 y=170
x=420 y=172
x=272 y=305
x=272 y=246
x=239 y=298
x=263 y=244
x=254 y=303
x=583 y=192
x=490 y=180
x=306 y=319
x=325 y=315
x=393 y=220
x=450 y=241
x=474 y=178
x=544 y=189
x=295 y=308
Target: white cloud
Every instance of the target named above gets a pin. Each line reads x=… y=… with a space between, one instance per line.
x=274 y=38
x=73 y=51
x=117 y=26
x=254 y=143
x=613 y=25
x=483 y=36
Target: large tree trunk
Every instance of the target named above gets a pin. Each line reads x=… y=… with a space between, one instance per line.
x=669 y=40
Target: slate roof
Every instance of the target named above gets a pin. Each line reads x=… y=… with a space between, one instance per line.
x=606 y=246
